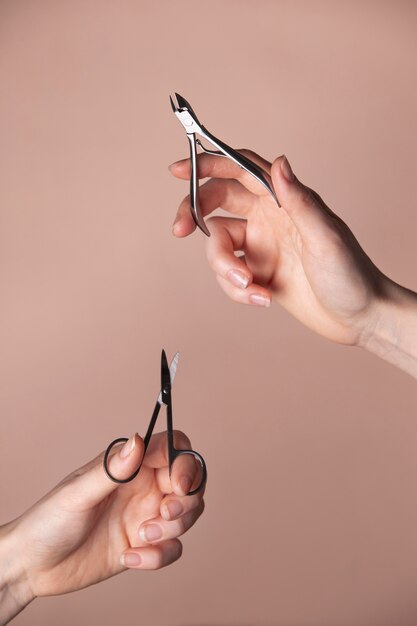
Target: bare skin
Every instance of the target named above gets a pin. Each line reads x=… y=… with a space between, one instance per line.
x=301 y=255
x=89 y=528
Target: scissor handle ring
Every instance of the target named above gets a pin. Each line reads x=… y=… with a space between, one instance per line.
x=196 y=455
x=106 y=460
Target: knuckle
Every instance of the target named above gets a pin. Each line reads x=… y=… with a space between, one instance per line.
x=306 y=198
x=247 y=153
x=315 y=196
x=233 y=293
x=339 y=234
x=215 y=221
x=181 y=439
x=224 y=285
x=238 y=297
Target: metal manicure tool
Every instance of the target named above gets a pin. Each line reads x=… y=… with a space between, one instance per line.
x=164 y=398
x=192 y=127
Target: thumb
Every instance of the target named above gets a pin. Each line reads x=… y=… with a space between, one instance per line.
x=90 y=484
x=302 y=205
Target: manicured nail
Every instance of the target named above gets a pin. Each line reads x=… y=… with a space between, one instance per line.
x=286 y=170
x=128 y=447
x=259 y=300
x=131 y=559
x=238 y=278
x=173 y=509
x=150 y=532
x=185 y=484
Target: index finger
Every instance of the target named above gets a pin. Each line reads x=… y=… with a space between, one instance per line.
x=211 y=166
x=156 y=455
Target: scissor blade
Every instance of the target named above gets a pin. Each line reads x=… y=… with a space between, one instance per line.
x=174 y=107
x=172 y=372
x=174 y=365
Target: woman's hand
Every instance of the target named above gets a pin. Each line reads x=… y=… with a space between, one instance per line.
x=89 y=528
x=301 y=255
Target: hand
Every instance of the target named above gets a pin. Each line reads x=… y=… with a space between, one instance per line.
x=302 y=255
x=89 y=528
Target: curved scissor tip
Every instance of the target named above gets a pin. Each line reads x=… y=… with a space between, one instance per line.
x=172 y=371
x=165 y=373
x=174 y=108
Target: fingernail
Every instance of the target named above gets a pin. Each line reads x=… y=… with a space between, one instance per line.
x=173 y=509
x=185 y=484
x=131 y=559
x=174 y=164
x=238 y=278
x=259 y=300
x=286 y=170
x=150 y=532
x=128 y=447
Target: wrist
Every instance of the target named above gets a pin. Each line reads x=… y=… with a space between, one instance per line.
x=15 y=592
x=393 y=334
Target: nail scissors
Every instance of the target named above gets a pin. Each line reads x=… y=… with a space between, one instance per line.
x=164 y=397
x=192 y=126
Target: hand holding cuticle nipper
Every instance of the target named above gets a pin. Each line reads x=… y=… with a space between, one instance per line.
x=192 y=127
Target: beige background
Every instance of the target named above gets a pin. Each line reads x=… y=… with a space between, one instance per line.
x=311 y=512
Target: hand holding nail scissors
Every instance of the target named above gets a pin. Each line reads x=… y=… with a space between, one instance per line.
x=164 y=397
x=192 y=127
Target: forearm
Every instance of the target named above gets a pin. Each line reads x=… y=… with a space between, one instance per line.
x=15 y=594
x=394 y=336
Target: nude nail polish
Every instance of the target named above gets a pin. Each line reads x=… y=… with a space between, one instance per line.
x=173 y=509
x=259 y=300
x=238 y=278
x=185 y=484
x=150 y=532
x=131 y=559
x=128 y=447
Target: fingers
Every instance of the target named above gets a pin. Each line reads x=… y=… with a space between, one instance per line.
x=228 y=235
x=255 y=295
x=185 y=469
x=173 y=506
x=211 y=166
x=159 y=529
x=229 y=195
x=186 y=473
x=90 y=484
x=305 y=207
x=157 y=452
x=163 y=535
x=152 y=557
